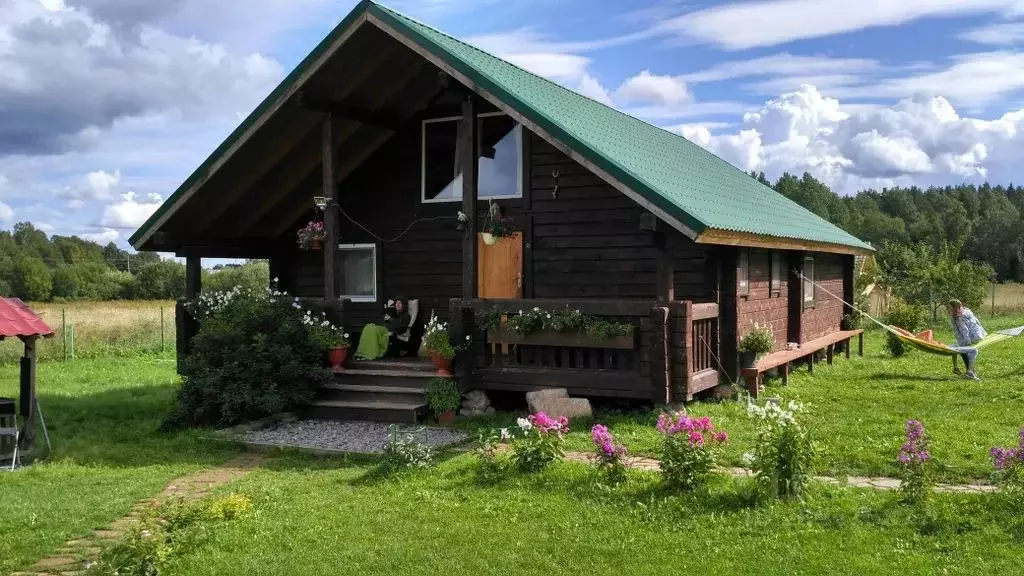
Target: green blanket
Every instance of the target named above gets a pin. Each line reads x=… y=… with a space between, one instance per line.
x=373 y=342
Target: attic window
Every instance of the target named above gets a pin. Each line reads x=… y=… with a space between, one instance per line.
x=499 y=161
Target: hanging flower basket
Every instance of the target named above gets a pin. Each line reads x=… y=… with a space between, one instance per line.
x=488 y=238
x=495 y=225
x=312 y=235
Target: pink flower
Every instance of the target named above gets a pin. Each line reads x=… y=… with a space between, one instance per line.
x=696 y=438
x=721 y=436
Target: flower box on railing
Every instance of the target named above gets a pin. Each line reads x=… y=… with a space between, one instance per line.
x=562 y=339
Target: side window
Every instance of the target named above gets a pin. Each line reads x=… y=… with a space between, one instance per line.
x=743 y=273
x=776 y=274
x=808 y=280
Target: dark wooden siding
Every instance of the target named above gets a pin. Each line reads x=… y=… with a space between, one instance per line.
x=825 y=316
x=586 y=243
x=762 y=305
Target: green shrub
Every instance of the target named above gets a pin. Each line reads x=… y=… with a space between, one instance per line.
x=539 y=442
x=404 y=451
x=443 y=396
x=252 y=357
x=758 y=341
x=910 y=317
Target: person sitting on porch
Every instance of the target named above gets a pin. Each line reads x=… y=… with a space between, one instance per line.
x=968 y=332
x=379 y=340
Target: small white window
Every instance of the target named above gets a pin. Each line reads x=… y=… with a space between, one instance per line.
x=499 y=159
x=808 y=279
x=743 y=283
x=776 y=282
x=357 y=267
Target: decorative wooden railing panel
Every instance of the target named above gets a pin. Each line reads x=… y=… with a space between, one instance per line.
x=587 y=366
x=702 y=350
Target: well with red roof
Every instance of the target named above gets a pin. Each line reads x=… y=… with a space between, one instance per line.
x=17 y=320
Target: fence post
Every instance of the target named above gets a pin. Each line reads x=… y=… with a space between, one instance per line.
x=993 y=299
x=161 y=329
x=71 y=330
x=64 y=331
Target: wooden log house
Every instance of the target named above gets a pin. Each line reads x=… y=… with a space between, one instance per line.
x=401 y=126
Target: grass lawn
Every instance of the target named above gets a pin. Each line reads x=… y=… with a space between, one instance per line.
x=102 y=417
x=857 y=409
x=315 y=518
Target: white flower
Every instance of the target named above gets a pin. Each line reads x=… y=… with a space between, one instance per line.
x=467 y=338
x=276 y=279
x=524 y=424
x=549 y=316
x=505 y=435
x=748 y=459
x=346 y=335
x=536 y=309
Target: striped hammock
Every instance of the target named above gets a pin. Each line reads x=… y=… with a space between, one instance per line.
x=933 y=347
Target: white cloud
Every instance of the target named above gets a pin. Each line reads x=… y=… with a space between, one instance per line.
x=529 y=40
x=100 y=183
x=592 y=88
x=782 y=64
x=6 y=214
x=1002 y=34
x=653 y=88
x=551 y=65
x=103 y=237
x=131 y=212
x=697 y=109
x=921 y=140
x=742 y=25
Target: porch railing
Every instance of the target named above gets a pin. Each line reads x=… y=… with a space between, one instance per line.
x=586 y=366
x=702 y=350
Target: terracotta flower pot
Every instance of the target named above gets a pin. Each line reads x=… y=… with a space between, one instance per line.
x=444 y=366
x=489 y=239
x=446 y=418
x=748 y=359
x=316 y=243
x=336 y=357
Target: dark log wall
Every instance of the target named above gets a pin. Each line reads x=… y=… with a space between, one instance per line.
x=584 y=243
x=826 y=314
x=763 y=305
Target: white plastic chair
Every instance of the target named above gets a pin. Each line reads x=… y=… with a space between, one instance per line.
x=15 y=434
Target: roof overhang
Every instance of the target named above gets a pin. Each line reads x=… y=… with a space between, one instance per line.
x=747 y=240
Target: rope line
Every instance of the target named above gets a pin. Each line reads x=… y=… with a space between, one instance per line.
x=400 y=235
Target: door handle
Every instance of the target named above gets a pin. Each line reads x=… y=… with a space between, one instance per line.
x=519 y=280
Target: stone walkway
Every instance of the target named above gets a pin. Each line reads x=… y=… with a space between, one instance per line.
x=880 y=483
x=74 y=556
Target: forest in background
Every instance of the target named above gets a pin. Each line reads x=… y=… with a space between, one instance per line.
x=40 y=268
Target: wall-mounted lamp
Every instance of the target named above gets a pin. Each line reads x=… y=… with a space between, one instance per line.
x=320 y=202
x=554 y=191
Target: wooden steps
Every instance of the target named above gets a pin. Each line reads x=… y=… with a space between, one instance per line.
x=381 y=390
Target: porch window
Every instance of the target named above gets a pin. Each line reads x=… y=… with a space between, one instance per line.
x=808 y=279
x=743 y=282
x=358 y=265
x=776 y=282
x=499 y=158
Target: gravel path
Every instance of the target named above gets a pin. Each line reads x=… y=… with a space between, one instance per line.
x=346 y=436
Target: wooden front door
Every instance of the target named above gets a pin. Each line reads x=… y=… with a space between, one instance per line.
x=501 y=267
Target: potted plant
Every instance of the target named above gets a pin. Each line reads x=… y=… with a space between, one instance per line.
x=312 y=235
x=443 y=399
x=757 y=342
x=495 y=225
x=331 y=338
x=438 y=345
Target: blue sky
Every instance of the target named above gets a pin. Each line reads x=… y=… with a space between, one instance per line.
x=107 y=105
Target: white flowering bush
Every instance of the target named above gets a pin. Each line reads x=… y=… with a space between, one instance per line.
x=253 y=356
x=783 y=455
x=438 y=341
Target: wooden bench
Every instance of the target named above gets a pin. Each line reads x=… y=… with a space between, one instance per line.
x=784 y=358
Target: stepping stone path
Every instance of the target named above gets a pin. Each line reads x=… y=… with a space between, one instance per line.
x=75 y=556
x=852 y=481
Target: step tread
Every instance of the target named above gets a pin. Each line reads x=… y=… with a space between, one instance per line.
x=392 y=364
x=384 y=372
x=370 y=405
x=364 y=388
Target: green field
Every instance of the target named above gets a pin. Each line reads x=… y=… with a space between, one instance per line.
x=324 y=515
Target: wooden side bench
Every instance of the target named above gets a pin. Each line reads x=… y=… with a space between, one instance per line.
x=784 y=358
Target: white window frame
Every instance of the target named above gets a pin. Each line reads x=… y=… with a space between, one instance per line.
x=423 y=160
x=808 y=279
x=354 y=247
x=775 y=272
x=743 y=269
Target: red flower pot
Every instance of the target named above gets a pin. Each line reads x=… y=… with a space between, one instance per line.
x=446 y=418
x=336 y=357
x=316 y=243
x=444 y=367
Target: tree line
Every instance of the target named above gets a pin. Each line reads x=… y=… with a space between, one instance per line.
x=37 y=267
x=979 y=223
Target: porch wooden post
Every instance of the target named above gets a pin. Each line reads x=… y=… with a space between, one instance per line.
x=467 y=151
x=848 y=271
x=193 y=276
x=728 y=312
x=666 y=284
x=330 y=213
x=27 y=394
x=795 y=298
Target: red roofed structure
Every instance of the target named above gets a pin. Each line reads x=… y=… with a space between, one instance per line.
x=17 y=320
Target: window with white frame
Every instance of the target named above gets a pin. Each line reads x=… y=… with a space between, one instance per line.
x=499 y=158
x=808 y=279
x=357 y=264
x=776 y=273
x=743 y=282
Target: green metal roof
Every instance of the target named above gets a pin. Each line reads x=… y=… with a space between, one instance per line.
x=677 y=176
